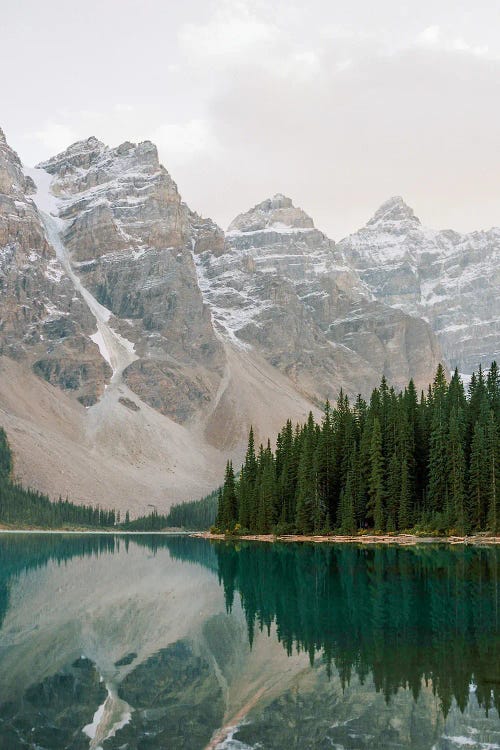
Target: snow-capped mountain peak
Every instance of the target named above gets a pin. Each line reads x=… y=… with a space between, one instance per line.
x=391 y=211
x=277 y=213
x=448 y=278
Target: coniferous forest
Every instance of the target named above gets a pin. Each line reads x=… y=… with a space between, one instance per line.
x=22 y=506
x=403 y=461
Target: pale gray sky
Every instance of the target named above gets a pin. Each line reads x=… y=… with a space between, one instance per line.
x=337 y=104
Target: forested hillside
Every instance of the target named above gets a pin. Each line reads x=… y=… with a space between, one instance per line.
x=27 y=507
x=396 y=463
x=196 y=515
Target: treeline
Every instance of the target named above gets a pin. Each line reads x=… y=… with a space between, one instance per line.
x=397 y=463
x=31 y=508
x=153 y=521
x=196 y=515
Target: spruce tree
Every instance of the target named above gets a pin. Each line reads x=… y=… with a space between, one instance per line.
x=478 y=478
x=493 y=470
x=246 y=485
x=229 y=514
x=325 y=467
x=393 y=491
x=376 y=485
x=306 y=488
x=458 y=514
x=349 y=496
x=493 y=389
x=437 y=495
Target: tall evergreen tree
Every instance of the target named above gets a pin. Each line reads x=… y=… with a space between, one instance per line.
x=229 y=515
x=438 y=489
x=458 y=514
x=306 y=486
x=493 y=471
x=478 y=478
x=247 y=483
x=376 y=487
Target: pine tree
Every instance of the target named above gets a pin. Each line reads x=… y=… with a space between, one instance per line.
x=493 y=471
x=268 y=515
x=325 y=467
x=376 y=486
x=305 y=482
x=478 y=478
x=5 y=457
x=393 y=491
x=437 y=496
x=246 y=485
x=219 y=519
x=405 y=513
x=287 y=475
x=229 y=501
x=458 y=512
x=349 y=496
x=493 y=389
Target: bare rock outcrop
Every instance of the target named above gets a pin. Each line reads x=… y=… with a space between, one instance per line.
x=449 y=279
x=284 y=289
x=175 y=335
x=42 y=320
x=130 y=239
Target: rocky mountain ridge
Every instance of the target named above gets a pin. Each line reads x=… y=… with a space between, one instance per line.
x=449 y=279
x=43 y=320
x=172 y=334
x=282 y=287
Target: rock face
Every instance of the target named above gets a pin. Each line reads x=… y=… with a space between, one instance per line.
x=130 y=238
x=43 y=320
x=450 y=279
x=175 y=336
x=283 y=288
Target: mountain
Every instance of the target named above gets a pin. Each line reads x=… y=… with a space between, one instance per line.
x=282 y=288
x=449 y=279
x=43 y=321
x=140 y=342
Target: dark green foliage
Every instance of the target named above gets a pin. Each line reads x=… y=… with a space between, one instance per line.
x=376 y=486
x=391 y=465
x=227 y=514
x=196 y=515
x=5 y=457
x=26 y=507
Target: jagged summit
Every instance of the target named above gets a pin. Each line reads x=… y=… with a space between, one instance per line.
x=277 y=213
x=80 y=154
x=2 y=136
x=119 y=288
x=393 y=210
x=91 y=151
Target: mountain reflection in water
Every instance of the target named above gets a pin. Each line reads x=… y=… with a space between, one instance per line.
x=147 y=641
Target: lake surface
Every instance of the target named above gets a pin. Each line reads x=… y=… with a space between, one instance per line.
x=155 y=642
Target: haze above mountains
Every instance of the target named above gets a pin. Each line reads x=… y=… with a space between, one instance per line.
x=139 y=341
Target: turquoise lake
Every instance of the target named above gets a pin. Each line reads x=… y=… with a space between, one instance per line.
x=152 y=642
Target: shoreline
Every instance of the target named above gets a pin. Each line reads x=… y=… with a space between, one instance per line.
x=405 y=540
x=117 y=532
x=400 y=539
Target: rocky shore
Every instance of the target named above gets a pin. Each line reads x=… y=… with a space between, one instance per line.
x=402 y=539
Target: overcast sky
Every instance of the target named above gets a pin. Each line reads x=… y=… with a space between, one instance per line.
x=337 y=103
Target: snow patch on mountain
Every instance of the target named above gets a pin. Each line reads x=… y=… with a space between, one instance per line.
x=114 y=348
x=449 y=279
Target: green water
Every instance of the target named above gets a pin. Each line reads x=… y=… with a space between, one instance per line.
x=152 y=642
